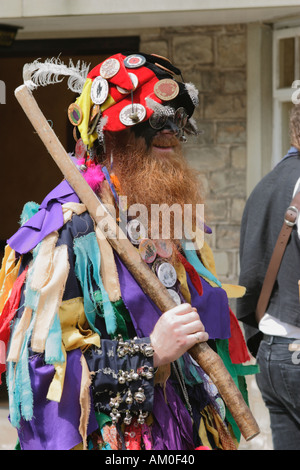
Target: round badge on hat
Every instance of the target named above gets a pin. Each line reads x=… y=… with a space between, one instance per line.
x=136 y=231
x=132 y=114
x=94 y=112
x=147 y=250
x=135 y=82
x=166 y=273
x=134 y=61
x=75 y=114
x=166 y=89
x=80 y=149
x=175 y=296
x=99 y=90
x=109 y=68
x=164 y=248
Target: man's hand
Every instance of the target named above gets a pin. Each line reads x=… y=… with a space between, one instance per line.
x=176 y=331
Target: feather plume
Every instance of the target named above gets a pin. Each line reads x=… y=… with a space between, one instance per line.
x=193 y=92
x=52 y=71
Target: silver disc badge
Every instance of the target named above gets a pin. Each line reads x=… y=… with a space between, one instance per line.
x=132 y=114
x=147 y=250
x=135 y=82
x=175 y=296
x=166 y=273
x=136 y=231
x=134 y=61
x=99 y=90
x=109 y=68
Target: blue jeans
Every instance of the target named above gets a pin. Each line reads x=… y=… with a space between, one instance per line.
x=279 y=384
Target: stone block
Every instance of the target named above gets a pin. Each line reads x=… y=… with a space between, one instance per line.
x=235 y=82
x=216 y=210
x=231 y=50
x=228 y=183
x=231 y=132
x=207 y=132
x=193 y=50
x=209 y=158
x=237 y=209
x=239 y=157
x=221 y=263
x=228 y=237
x=220 y=106
x=155 y=47
x=211 y=81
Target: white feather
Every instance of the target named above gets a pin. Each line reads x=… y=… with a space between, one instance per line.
x=53 y=71
x=193 y=92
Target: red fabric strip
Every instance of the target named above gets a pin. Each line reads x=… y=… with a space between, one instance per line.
x=237 y=346
x=194 y=276
x=9 y=311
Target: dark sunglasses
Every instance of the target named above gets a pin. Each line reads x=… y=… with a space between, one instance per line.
x=158 y=120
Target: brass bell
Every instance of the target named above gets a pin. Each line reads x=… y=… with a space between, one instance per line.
x=128 y=418
x=140 y=396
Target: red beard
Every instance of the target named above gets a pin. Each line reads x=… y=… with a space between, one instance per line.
x=158 y=175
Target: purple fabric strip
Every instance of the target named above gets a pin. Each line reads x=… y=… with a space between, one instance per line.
x=213 y=309
x=55 y=425
x=172 y=428
x=144 y=313
x=212 y=306
x=48 y=218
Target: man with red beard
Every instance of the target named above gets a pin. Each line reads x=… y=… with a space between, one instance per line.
x=91 y=361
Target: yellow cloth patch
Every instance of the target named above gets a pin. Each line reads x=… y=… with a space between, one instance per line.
x=8 y=275
x=75 y=333
x=85 y=103
x=181 y=275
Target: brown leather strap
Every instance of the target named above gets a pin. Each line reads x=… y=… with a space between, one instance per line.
x=290 y=219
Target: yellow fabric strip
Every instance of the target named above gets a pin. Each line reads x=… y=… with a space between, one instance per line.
x=8 y=274
x=108 y=103
x=210 y=426
x=181 y=275
x=85 y=103
x=57 y=385
x=75 y=333
x=203 y=433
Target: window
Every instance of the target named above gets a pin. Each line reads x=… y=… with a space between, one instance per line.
x=286 y=80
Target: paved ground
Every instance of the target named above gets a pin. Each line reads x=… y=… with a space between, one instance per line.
x=8 y=435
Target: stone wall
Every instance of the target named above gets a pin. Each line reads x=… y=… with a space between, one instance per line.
x=214 y=59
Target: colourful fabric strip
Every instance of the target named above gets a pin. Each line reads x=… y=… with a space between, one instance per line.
x=87 y=268
x=9 y=311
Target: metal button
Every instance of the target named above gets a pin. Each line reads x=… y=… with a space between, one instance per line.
x=166 y=273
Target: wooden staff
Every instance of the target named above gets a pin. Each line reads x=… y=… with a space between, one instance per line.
x=208 y=360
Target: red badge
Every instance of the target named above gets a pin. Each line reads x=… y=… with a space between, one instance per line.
x=166 y=89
